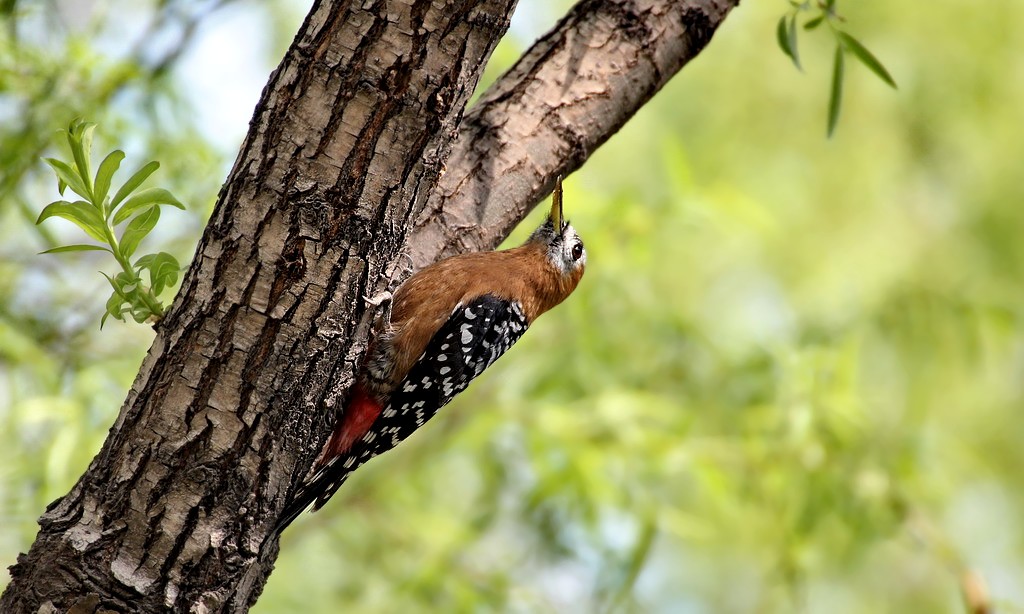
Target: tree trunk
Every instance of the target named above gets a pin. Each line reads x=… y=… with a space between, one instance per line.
x=259 y=348
x=257 y=353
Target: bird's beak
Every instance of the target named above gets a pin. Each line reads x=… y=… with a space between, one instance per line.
x=556 y=218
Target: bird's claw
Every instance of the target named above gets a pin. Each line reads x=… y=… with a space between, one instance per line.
x=379 y=299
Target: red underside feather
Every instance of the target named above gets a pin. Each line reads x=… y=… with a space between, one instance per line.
x=359 y=415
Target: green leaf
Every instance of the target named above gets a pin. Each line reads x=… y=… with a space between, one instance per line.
x=791 y=36
x=114 y=306
x=836 y=97
x=167 y=271
x=163 y=270
x=145 y=198
x=76 y=248
x=80 y=139
x=128 y=284
x=134 y=182
x=144 y=262
x=80 y=213
x=141 y=313
x=867 y=58
x=115 y=285
x=76 y=126
x=782 y=37
x=137 y=230
x=105 y=174
x=69 y=176
x=126 y=287
x=814 y=23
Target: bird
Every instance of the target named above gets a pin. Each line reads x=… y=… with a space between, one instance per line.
x=447 y=324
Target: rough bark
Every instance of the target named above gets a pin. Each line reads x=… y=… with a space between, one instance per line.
x=262 y=343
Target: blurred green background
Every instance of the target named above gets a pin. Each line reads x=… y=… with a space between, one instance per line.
x=791 y=379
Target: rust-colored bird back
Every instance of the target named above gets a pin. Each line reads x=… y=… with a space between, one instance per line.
x=424 y=302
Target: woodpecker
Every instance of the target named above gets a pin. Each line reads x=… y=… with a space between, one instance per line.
x=448 y=323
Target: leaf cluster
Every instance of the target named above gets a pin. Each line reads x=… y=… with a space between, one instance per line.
x=99 y=214
x=816 y=14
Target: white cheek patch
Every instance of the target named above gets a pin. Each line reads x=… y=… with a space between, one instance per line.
x=560 y=252
x=571 y=239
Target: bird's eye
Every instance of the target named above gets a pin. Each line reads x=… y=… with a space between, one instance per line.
x=577 y=251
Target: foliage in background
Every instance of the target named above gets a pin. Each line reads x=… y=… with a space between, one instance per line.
x=820 y=12
x=791 y=378
x=99 y=215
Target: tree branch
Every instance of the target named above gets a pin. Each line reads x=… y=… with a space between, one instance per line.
x=565 y=97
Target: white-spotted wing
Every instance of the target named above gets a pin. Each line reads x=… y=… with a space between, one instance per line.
x=474 y=336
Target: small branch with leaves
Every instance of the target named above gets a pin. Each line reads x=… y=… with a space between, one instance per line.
x=824 y=12
x=99 y=215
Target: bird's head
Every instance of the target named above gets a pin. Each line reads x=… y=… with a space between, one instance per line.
x=559 y=241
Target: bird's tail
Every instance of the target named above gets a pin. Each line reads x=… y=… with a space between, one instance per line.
x=314 y=491
x=337 y=460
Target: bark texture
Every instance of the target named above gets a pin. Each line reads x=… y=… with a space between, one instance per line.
x=565 y=97
x=263 y=340
x=258 y=351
